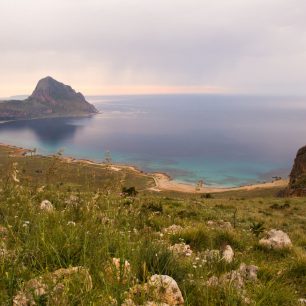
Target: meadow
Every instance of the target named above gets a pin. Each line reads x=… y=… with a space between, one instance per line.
x=92 y=221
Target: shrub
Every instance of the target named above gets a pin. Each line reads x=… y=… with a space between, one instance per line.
x=257 y=228
x=129 y=192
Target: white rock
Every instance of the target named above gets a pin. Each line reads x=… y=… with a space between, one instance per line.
x=302 y=301
x=235 y=278
x=46 y=205
x=53 y=286
x=248 y=272
x=128 y=302
x=181 y=249
x=3 y=231
x=228 y=254
x=150 y=303
x=276 y=239
x=165 y=289
x=172 y=229
x=220 y=224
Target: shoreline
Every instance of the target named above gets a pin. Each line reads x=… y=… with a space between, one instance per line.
x=163 y=182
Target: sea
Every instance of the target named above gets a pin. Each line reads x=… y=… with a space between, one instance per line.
x=224 y=140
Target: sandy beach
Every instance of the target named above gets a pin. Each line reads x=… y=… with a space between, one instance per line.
x=163 y=182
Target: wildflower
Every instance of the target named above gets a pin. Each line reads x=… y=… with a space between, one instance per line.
x=25 y=223
x=71 y=223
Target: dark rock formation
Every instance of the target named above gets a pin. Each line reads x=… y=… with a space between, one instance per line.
x=297 y=183
x=49 y=99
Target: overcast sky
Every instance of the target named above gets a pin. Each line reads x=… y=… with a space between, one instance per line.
x=136 y=46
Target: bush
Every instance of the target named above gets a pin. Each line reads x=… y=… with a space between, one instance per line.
x=129 y=192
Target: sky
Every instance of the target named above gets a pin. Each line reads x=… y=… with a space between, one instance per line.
x=154 y=46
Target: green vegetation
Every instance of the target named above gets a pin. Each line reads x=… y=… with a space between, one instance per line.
x=93 y=222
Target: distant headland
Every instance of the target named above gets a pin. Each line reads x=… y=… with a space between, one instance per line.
x=49 y=99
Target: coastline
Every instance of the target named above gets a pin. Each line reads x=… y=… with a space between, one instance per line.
x=163 y=182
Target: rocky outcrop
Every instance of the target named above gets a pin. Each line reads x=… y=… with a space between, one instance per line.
x=297 y=183
x=49 y=99
x=276 y=239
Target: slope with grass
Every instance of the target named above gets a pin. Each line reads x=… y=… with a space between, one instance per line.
x=89 y=223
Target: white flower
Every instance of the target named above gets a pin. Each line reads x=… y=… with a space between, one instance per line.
x=71 y=223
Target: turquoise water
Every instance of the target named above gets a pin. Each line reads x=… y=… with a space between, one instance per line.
x=224 y=140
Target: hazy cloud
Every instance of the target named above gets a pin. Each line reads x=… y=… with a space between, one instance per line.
x=252 y=46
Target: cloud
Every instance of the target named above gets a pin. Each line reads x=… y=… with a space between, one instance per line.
x=252 y=46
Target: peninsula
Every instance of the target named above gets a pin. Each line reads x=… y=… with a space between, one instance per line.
x=49 y=99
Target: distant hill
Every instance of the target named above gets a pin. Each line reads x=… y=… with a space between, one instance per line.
x=49 y=99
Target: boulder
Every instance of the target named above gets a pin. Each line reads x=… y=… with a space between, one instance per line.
x=165 y=290
x=276 y=239
x=46 y=206
x=228 y=254
x=53 y=287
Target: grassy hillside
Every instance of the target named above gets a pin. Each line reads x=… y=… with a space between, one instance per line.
x=91 y=223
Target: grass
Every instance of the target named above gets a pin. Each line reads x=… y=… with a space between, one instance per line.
x=92 y=223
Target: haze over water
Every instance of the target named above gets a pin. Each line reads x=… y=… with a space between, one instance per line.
x=224 y=140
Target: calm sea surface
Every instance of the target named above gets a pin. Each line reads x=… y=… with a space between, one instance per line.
x=224 y=140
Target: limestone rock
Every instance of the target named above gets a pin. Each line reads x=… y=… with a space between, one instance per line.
x=46 y=206
x=276 y=239
x=235 y=278
x=165 y=289
x=3 y=231
x=220 y=224
x=172 y=229
x=53 y=286
x=160 y=290
x=302 y=301
x=181 y=249
x=228 y=254
x=150 y=303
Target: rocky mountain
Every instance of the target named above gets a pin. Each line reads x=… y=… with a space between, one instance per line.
x=297 y=183
x=49 y=99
